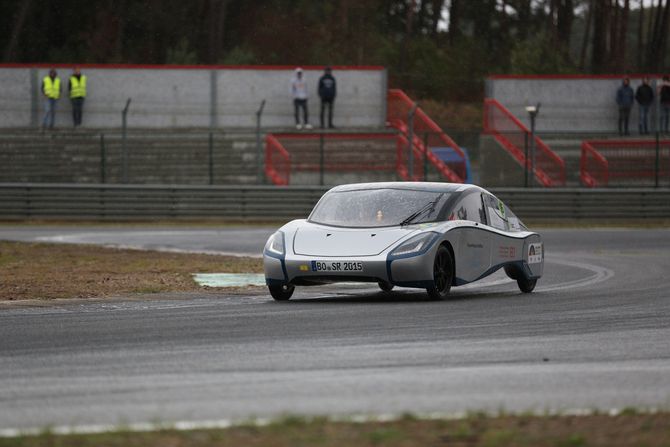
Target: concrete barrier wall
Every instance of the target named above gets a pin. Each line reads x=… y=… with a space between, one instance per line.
x=191 y=96
x=569 y=104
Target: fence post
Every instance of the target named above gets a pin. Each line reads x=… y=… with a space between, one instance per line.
x=658 y=159
x=103 y=158
x=124 y=149
x=525 y=164
x=210 y=147
x=321 y=159
x=425 y=157
x=410 y=134
x=259 y=149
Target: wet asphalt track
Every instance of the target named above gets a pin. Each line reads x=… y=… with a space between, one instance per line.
x=595 y=334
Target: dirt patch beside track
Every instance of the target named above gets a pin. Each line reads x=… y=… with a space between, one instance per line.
x=49 y=271
x=629 y=429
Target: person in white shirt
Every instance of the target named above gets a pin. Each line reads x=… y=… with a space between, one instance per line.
x=299 y=93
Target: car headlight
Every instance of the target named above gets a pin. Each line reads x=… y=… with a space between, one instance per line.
x=275 y=244
x=416 y=245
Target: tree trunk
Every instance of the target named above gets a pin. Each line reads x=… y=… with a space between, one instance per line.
x=640 y=38
x=600 y=28
x=19 y=21
x=587 y=32
x=454 y=20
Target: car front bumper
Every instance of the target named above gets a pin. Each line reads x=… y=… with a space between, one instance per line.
x=415 y=271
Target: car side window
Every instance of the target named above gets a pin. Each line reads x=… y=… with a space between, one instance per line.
x=469 y=208
x=500 y=216
x=496 y=211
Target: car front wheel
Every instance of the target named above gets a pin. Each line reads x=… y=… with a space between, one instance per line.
x=282 y=292
x=443 y=274
x=385 y=286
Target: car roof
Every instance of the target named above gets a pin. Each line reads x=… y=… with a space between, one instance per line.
x=412 y=186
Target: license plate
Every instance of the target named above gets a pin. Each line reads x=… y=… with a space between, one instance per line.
x=337 y=266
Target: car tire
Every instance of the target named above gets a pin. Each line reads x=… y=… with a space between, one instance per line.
x=443 y=274
x=385 y=286
x=282 y=292
x=526 y=285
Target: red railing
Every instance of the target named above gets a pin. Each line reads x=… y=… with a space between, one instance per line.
x=593 y=167
x=427 y=135
x=287 y=153
x=402 y=163
x=277 y=161
x=624 y=162
x=513 y=136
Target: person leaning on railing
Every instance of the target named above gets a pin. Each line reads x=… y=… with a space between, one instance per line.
x=77 y=95
x=51 y=89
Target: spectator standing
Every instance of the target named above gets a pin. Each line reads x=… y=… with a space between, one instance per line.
x=624 y=99
x=645 y=97
x=51 y=90
x=299 y=93
x=327 y=92
x=77 y=95
x=665 y=104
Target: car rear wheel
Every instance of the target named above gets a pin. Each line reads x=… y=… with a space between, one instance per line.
x=526 y=285
x=385 y=286
x=443 y=274
x=282 y=292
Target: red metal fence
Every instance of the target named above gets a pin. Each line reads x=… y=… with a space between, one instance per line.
x=277 y=161
x=288 y=154
x=625 y=163
x=398 y=107
x=514 y=137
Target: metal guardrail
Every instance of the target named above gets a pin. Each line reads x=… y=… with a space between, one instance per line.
x=19 y=201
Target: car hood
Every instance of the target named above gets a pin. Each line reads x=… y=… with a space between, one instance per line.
x=317 y=240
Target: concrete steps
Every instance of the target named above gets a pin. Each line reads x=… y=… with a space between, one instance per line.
x=177 y=156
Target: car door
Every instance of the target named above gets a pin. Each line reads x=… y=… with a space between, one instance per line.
x=474 y=242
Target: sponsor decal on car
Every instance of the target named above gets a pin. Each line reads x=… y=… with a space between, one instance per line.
x=535 y=253
x=505 y=251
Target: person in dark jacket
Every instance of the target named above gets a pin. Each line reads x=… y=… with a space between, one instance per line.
x=624 y=99
x=665 y=104
x=645 y=97
x=327 y=93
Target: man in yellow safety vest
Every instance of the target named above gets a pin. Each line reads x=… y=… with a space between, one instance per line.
x=77 y=95
x=51 y=91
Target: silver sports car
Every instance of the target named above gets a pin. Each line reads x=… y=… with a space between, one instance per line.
x=409 y=234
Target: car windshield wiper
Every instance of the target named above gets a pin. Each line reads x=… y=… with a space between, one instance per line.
x=430 y=206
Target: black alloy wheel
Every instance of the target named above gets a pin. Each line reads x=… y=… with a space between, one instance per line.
x=282 y=292
x=443 y=274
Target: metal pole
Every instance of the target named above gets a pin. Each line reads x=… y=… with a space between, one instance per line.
x=525 y=164
x=211 y=158
x=658 y=160
x=425 y=157
x=410 y=137
x=321 y=157
x=532 y=149
x=124 y=148
x=103 y=158
x=259 y=148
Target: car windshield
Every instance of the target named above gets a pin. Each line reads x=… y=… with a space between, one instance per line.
x=384 y=207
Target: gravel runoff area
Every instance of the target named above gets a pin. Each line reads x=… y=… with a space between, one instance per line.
x=46 y=271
